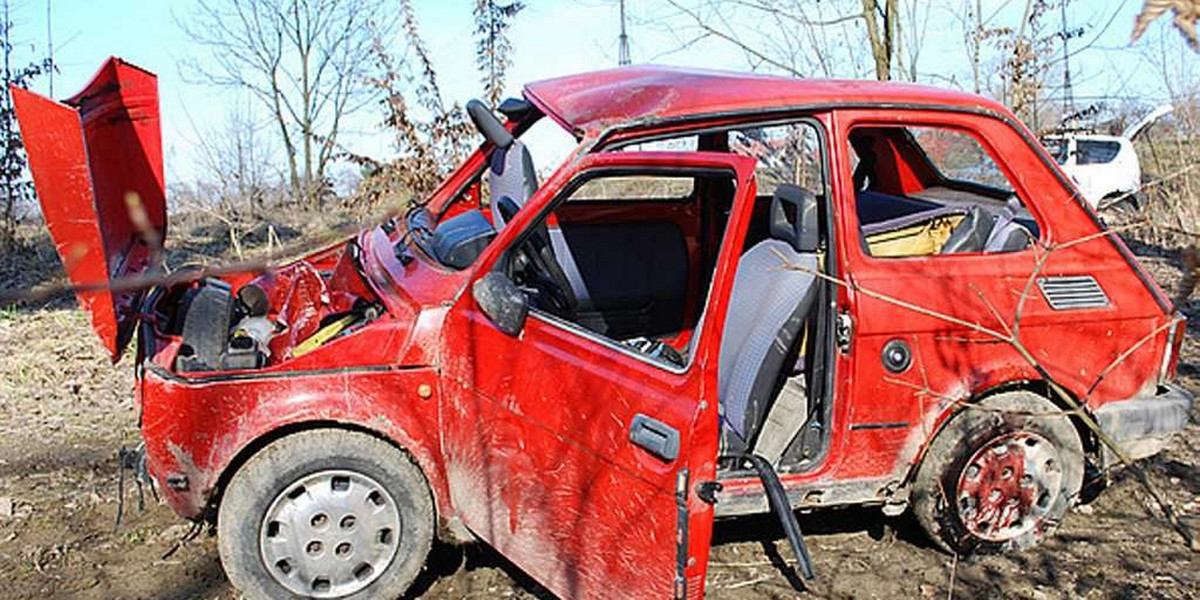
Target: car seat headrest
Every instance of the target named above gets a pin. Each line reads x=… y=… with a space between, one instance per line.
x=794 y=218
x=488 y=125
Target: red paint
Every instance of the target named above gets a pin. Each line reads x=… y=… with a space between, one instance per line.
x=525 y=439
x=97 y=158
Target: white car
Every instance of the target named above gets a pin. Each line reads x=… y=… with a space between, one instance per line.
x=1104 y=167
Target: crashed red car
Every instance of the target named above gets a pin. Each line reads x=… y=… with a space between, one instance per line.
x=739 y=294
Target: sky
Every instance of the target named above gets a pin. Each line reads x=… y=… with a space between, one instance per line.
x=551 y=38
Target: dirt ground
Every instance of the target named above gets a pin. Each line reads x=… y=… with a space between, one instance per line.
x=64 y=411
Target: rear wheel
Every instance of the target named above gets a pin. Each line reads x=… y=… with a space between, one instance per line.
x=1000 y=476
x=325 y=514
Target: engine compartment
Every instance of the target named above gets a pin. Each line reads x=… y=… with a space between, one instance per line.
x=259 y=320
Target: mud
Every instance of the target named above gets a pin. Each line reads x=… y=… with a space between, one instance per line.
x=64 y=411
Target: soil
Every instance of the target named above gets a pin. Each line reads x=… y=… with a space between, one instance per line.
x=65 y=410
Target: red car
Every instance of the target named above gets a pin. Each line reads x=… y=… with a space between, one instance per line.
x=738 y=294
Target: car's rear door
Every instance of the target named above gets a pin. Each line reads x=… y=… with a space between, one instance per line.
x=541 y=432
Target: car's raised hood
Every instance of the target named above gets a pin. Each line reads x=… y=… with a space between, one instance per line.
x=97 y=166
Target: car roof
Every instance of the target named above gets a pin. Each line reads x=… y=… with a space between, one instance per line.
x=589 y=103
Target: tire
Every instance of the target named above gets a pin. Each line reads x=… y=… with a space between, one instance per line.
x=304 y=515
x=1015 y=469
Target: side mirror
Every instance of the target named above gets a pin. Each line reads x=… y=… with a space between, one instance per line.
x=502 y=301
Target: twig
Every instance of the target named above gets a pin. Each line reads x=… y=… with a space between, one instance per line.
x=1013 y=340
x=749 y=582
x=953 y=577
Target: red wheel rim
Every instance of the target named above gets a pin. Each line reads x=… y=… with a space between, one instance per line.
x=1008 y=486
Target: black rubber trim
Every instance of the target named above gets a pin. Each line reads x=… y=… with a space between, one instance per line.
x=862 y=426
x=248 y=376
x=681 y=538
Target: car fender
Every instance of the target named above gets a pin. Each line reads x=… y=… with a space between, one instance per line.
x=198 y=430
x=936 y=420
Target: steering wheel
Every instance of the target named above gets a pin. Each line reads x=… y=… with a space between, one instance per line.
x=548 y=276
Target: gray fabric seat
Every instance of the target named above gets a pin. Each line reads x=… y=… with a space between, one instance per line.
x=511 y=173
x=1007 y=234
x=971 y=234
x=768 y=307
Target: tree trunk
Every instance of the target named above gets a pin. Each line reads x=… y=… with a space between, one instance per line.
x=882 y=42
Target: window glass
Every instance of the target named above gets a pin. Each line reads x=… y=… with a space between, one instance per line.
x=786 y=154
x=958 y=156
x=631 y=271
x=1058 y=148
x=924 y=191
x=1095 y=152
x=686 y=143
x=641 y=187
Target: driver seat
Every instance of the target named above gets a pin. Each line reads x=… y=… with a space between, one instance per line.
x=768 y=307
x=511 y=175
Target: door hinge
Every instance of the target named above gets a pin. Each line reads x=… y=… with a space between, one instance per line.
x=843 y=331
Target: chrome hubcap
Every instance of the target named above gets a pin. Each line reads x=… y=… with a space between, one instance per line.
x=1008 y=486
x=329 y=534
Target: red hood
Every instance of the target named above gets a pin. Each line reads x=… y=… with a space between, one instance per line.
x=96 y=160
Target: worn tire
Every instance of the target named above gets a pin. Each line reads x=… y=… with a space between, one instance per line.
x=278 y=467
x=973 y=439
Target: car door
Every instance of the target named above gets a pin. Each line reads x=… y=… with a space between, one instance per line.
x=550 y=435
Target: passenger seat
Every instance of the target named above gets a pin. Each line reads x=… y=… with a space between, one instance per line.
x=768 y=307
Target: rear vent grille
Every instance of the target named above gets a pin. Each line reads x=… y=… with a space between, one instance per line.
x=1070 y=293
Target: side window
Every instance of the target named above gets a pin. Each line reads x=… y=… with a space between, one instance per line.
x=623 y=256
x=641 y=187
x=1059 y=148
x=786 y=154
x=1096 y=152
x=923 y=191
x=957 y=156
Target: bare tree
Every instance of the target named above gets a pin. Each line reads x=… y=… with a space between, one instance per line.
x=429 y=141
x=882 y=20
x=303 y=60
x=237 y=159
x=15 y=188
x=493 y=50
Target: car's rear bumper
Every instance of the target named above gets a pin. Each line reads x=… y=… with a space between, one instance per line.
x=1142 y=426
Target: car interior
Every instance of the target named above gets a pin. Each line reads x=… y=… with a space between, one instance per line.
x=928 y=191
x=629 y=256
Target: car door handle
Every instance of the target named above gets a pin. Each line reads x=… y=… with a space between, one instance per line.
x=654 y=437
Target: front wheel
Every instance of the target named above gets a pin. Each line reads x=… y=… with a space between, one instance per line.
x=1000 y=475
x=325 y=514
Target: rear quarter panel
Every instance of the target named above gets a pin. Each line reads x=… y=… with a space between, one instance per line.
x=892 y=416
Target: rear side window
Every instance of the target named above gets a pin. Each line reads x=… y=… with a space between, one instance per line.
x=1095 y=152
x=924 y=191
x=957 y=156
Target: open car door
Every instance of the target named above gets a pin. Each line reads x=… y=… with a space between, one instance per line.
x=580 y=460
x=97 y=165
